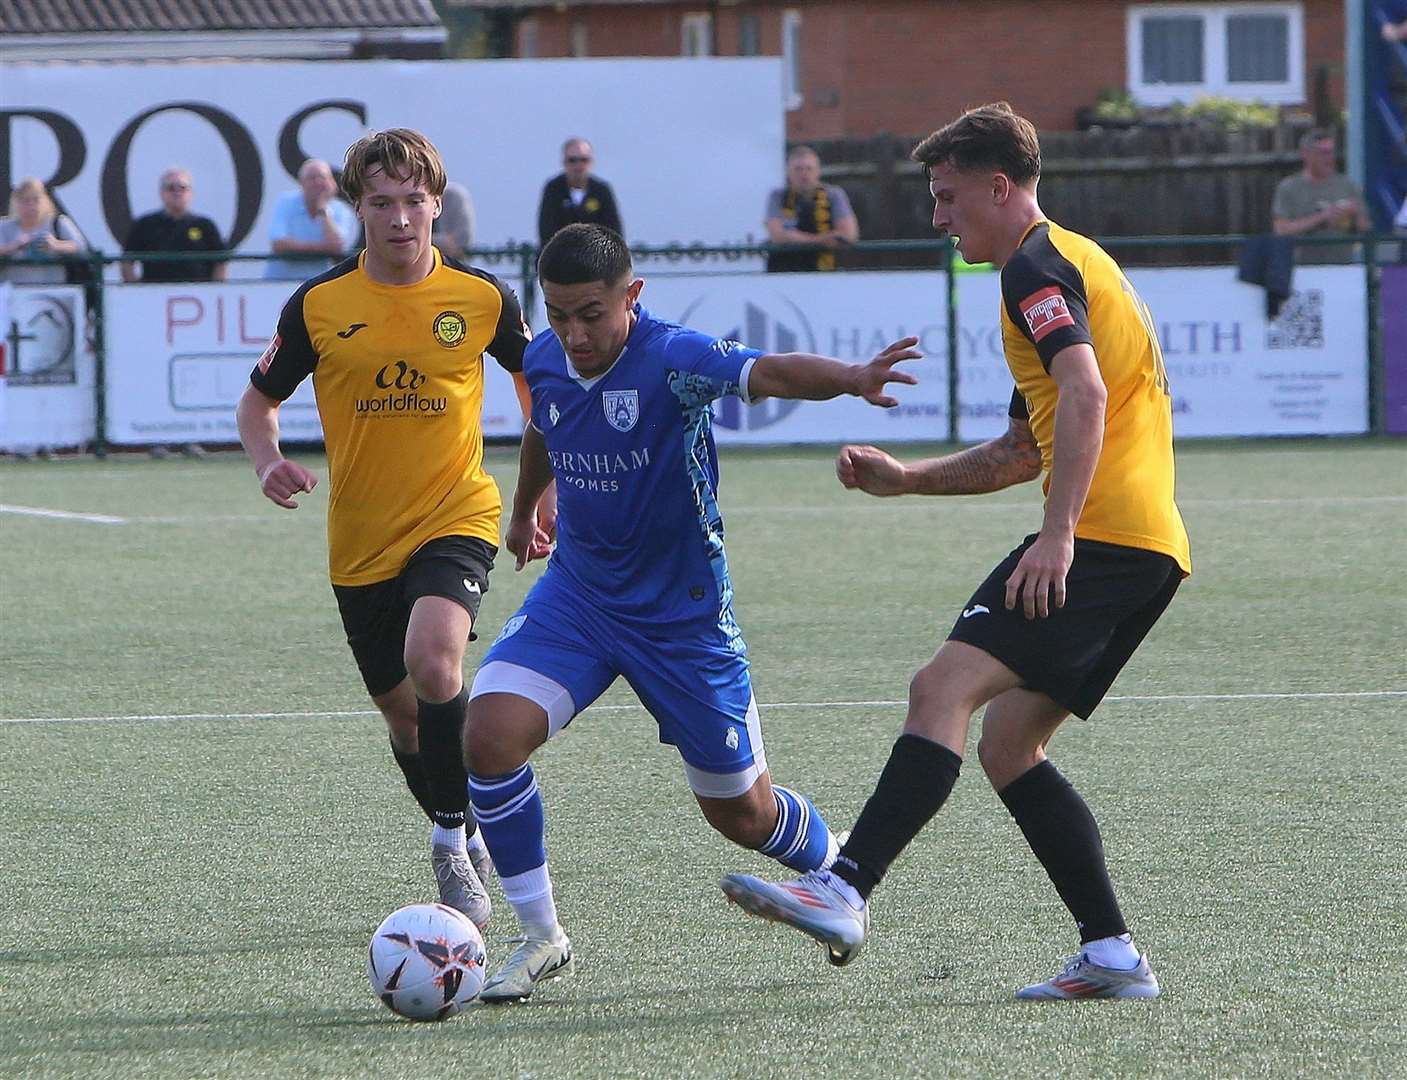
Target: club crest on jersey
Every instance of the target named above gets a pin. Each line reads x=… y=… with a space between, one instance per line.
x=622 y=408
x=449 y=329
x=269 y=354
x=553 y=414
x=1046 y=311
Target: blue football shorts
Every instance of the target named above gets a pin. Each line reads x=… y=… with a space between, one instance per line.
x=562 y=651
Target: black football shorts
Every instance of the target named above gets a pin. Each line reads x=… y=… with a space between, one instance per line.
x=376 y=616
x=1113 y=596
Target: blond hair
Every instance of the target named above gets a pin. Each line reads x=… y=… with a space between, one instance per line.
x=399 y=153
x=32 y=184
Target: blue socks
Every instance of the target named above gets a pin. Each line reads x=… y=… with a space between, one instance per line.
x=509 y=812
x=801 y=839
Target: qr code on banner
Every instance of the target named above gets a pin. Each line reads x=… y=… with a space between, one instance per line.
x=1300 y=324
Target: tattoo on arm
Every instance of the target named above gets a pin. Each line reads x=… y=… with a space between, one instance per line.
x=1011 y=459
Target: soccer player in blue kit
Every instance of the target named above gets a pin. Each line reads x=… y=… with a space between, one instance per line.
x=638 y=584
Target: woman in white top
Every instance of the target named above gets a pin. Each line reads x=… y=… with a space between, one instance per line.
x=36 y=228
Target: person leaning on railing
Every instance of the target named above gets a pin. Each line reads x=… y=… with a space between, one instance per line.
x=174 y=228
x=35 y=229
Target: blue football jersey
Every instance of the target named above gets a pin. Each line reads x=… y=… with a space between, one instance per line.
x=639 y=531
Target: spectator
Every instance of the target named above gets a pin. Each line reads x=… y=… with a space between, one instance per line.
x=36 y=229
x=1319 y=200
x=453 y=231
x=574 y=195
x=309 y=221
x=174 y=228
x=809 y=213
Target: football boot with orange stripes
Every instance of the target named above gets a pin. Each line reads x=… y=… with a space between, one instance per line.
x=812 y=903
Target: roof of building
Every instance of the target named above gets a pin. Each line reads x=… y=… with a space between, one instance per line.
x=206 y=16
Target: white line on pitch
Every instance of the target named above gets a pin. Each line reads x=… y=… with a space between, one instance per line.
x=973 y=503
x=1303 y=695
x=66 y=515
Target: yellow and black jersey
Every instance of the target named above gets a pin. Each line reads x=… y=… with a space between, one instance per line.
x=1062 y=289
x=398 y=372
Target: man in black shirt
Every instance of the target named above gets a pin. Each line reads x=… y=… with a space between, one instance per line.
x=174 y=228
x=574 y=195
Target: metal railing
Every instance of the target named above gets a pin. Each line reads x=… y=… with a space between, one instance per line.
x=91 y=270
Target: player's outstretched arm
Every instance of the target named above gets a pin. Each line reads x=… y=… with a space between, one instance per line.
x=819 y=378
x=280 y=479
x=1013 y=458
x=526 y=539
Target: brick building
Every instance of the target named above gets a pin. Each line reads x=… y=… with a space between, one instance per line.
x=856 y=67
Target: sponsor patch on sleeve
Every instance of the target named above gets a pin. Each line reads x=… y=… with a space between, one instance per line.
x=1046 y=310
x=269 y=354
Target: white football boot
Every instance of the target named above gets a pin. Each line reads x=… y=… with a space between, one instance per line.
x=535 y=960
x=1081 y=978
x=812 y=903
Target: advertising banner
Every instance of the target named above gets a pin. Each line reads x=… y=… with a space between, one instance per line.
x=179 y=358
x=1233 y=371
x=691 y=146
x=848 y=316
x=47 y=389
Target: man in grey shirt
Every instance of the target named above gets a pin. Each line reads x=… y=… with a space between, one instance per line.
x=1319 y=199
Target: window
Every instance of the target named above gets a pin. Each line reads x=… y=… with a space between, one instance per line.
x=1252 y=52
x=749 y=34
x=527 y=38
x=791 y=59
x=581 y=41
x=696 y=37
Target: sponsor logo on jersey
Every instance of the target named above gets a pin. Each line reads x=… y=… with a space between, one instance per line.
x=622 y=408
x=596 y=472
x=269 y=354
x=1046 y=311
x=400 y=376
x=449 y=329
x=344 y=334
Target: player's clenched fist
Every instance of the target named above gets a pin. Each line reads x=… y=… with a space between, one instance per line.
x=282 y=479
x=871 y=469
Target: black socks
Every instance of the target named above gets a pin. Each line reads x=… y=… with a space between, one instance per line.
x=915 y=783
x=1063 y=834
x=442 y=761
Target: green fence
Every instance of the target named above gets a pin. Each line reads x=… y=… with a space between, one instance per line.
x=96 y=272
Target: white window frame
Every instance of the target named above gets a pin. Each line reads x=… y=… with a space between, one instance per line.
x=1214 y=75
x=696 y=34
x=792 y=95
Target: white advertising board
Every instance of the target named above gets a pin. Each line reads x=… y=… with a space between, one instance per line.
x=179 y=357
x=1233 y=371
x=691 y=146
x=48 y=389
x=849 y=316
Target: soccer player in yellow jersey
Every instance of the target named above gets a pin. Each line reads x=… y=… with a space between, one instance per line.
x=1045 y=634
x=394 y=339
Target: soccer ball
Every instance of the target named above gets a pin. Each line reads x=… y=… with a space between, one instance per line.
x=426 y=961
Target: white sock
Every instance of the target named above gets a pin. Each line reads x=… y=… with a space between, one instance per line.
x=450 y=838
x=832 y=850
x=530 y=894
x=476 y=843
x=1113 y=952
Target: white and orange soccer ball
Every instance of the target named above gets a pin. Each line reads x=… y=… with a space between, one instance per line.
x=426 y=962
